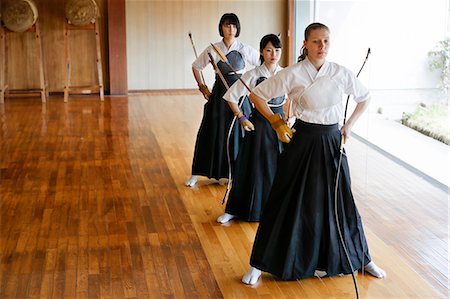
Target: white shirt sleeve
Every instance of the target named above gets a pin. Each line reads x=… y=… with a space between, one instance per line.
x=355 y=88
x=238 y=90
x=252 y=55
x=273 y=87
x=203 y=59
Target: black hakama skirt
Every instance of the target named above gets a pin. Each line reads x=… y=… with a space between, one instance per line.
x=254 y=169
x=210 y=154
x=298 y=233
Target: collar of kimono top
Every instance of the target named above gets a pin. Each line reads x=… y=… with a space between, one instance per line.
x=324 y=92
x=319 y=98
x=264 y=71
x=233 y=47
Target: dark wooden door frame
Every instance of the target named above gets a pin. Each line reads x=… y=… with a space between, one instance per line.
x=117 y=47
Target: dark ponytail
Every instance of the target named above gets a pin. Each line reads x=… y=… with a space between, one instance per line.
x=304 y=53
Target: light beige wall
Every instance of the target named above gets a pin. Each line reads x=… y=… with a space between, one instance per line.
x=158 y=47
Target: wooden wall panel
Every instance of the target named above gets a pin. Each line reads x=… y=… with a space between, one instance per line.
x=117 y=41
x=23 y=73
x=158 y=47
x=21 y=60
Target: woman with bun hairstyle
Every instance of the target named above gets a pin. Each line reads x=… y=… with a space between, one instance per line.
x=298 y=235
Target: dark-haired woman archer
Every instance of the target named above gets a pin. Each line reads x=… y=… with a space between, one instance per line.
x=298 y=232
x=210 y=154
x=258 y=154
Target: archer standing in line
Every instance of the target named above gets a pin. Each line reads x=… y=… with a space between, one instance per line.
x=298 y=232
x=256 y=163
x=210 y=154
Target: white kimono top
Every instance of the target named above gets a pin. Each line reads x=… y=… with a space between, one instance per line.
x=317 y=96
x=238 y=90
x=249 y=54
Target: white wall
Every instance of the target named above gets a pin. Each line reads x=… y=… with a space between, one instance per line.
x=399 y=32
x=159 y=52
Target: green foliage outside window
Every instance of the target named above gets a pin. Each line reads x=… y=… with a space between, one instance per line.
x=440 y=61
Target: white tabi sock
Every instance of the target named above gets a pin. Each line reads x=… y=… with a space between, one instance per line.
x=374 y=270
x=223 y=182
x=190 y=182
x=252 y=276
x=320 y=273
x=225 y=218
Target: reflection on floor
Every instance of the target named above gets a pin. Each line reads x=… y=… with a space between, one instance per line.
x=93 y=205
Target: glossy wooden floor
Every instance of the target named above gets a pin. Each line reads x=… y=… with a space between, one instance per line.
x=93 y=206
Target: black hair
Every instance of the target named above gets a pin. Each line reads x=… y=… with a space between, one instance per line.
x=230 y=18
x=311 y=27
x=272 y=38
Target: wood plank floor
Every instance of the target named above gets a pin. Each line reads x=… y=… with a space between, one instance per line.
x=93 y=206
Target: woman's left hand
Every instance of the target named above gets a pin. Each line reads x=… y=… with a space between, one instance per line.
x=245 y=123
x=345 y=132
x=346 y=129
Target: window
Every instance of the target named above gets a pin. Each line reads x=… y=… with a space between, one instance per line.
x=448 y=17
